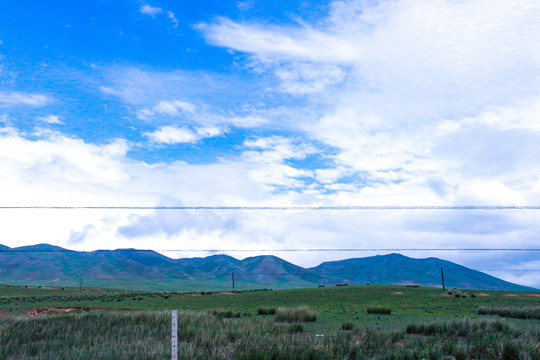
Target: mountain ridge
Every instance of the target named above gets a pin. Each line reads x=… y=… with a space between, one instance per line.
x=45 y=264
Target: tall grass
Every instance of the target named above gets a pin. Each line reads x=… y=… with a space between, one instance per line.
x=527 y=312
x=460 y=328
x=145 y=335
x=85 y=336
x=481 y=339
x=297 y=314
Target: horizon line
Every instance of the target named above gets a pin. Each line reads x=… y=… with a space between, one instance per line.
x=60 y=249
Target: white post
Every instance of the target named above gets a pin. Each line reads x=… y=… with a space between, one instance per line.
x=174 y=335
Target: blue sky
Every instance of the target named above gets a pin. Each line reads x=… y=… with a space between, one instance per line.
x=402 y=102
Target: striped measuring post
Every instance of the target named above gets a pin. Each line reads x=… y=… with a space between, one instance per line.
x=174 y=335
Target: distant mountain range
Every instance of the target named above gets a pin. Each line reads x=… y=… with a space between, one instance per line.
x=49 y=265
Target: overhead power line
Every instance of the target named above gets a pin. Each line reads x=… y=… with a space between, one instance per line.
x=278 y=208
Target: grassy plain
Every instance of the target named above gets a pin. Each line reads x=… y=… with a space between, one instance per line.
x=114 y=324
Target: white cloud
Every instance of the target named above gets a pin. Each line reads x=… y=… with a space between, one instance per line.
x=194 y=98
x=309 y=78
x=173 y=18
x=21 y=98
x=525 y=115
x=249 y=121
x=244 y=5
x=209 y=132
x=146 y=9
x=270 y=154
x=416 y=97
x=289 y=43
x=175 y=135
x=150 y=10
x=275 y=148
x=137 y=86
x=82 y=163
x=50 y=119
x=415 y=52
x=171 y=108
x=331 y=175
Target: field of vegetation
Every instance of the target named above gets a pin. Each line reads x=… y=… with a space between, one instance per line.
x=346 y=322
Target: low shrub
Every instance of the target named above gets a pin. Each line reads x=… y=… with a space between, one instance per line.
x=298 y=314
x=265 y=311
x=227 y=314
x=379 y=310
x=347 y=326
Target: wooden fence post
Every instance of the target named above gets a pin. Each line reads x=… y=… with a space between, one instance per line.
x=174 y=335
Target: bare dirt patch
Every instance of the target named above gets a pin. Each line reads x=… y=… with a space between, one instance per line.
x=398 y=293
x=482 y=294
x=45 y=310
x=532 y=295
x=509 y=295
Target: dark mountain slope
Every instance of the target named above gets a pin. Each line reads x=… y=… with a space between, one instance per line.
x=399 y=269
x=45 y=264
x=268 y=269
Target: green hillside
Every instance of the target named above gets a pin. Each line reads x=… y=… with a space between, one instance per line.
x=49 y=265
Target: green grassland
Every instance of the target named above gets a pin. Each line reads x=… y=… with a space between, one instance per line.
x=118 y=324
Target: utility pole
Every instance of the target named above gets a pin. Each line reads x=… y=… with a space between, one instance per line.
x=442 y=278
x=233 y=281
x=80 y=289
